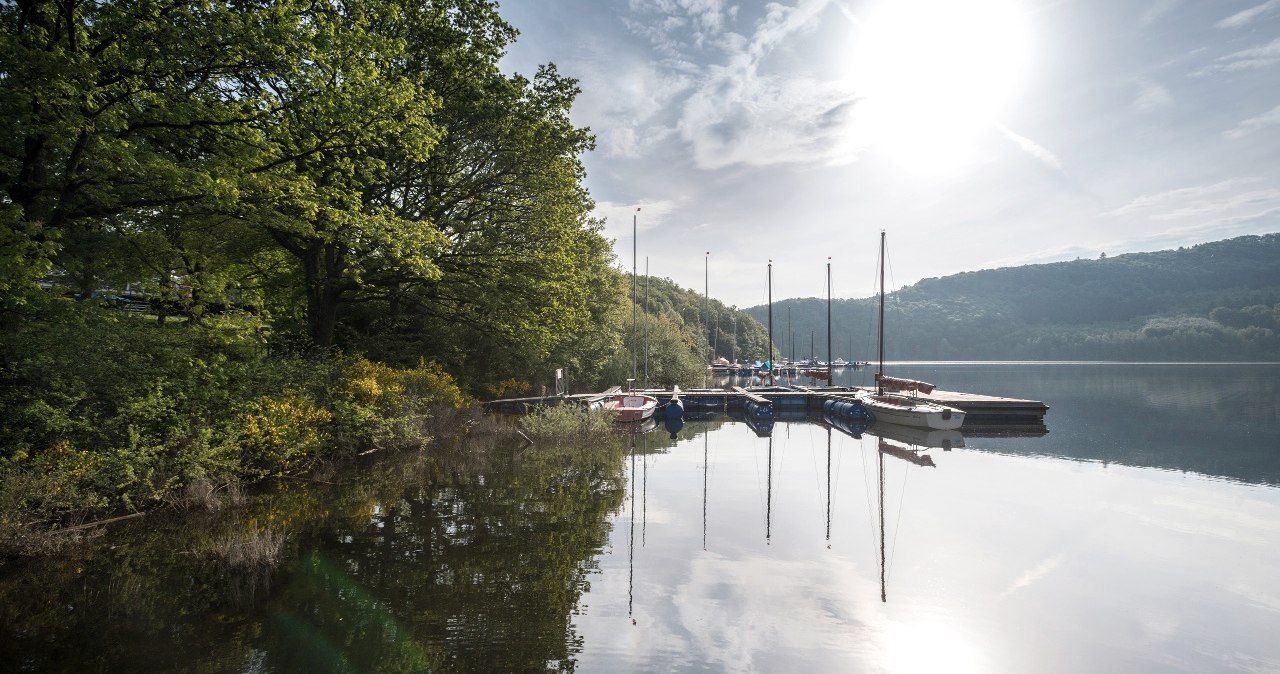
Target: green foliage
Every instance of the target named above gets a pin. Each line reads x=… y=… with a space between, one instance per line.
x=105 y=411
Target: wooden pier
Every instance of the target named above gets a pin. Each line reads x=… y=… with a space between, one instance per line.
x=1011 y=415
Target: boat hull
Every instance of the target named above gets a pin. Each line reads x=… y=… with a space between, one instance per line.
x=630 y=408
x=912 y=412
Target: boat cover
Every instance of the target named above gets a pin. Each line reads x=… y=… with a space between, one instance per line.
x=898 y=384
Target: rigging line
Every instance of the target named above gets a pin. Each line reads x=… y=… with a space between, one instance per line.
x=898 y=520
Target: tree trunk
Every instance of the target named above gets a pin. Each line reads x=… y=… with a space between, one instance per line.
x=323 y=265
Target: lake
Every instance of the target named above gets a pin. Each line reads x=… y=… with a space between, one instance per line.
x=1140 y=533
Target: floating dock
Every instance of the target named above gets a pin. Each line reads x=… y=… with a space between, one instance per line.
x=1010 y=415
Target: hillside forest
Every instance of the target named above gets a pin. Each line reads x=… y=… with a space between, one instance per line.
x=1214 y=302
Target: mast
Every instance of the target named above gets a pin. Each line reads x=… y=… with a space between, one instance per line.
x=706 y=302
x=830 y=380
x=770 y=317
x=633 y=295
x=646 y=322
x=791 y=336
x=879 y=387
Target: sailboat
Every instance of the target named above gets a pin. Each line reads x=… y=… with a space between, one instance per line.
x=900 y=409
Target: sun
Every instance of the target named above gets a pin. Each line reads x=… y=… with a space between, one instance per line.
x=933 y=74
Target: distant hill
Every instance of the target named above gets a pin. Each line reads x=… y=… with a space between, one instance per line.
x=689 y=310
x=1216 y=301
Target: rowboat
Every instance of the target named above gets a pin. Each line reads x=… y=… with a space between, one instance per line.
x=631 y=406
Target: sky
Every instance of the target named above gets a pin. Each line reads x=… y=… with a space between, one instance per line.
x=976 y=134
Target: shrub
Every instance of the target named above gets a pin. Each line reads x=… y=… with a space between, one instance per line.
x=283 y=434
x=381 y=406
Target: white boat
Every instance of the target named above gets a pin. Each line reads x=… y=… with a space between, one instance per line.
x=631 y=406
x=903 y=410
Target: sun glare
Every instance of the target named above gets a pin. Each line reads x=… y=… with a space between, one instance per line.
x=932 y=74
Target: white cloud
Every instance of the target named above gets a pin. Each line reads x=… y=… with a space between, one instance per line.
x=1245 y=17
x=1254 y=124
x=1152 y=96
x=1254 y=58
x=1037 y=151
x=1163 y=201
x=1200 y=213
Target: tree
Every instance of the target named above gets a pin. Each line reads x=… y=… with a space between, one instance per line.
x=116 y=111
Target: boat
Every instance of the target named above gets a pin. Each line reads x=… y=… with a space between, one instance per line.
x=817 y=374
x=631 y=406
x=904 y=410
x=910 y=411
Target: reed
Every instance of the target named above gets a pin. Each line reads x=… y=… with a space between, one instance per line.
x=569 y=423
x=249 y=549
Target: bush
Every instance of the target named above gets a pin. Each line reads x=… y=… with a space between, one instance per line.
x=106 y=412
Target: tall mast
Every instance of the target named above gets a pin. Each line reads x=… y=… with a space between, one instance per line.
x=829 y=379
x=706 y=302
x=770 y=316
x=633 y=296
x=646 y=322
x=791 y=335
x=879 y=387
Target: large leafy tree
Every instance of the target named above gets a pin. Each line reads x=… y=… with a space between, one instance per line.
x=116 y=112
x=371 y=156
x=503 y=187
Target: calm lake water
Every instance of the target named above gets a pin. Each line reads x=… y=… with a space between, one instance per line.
x=1140 y=533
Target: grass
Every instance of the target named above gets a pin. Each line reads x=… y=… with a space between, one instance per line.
x=569 y=423
x=249 y=549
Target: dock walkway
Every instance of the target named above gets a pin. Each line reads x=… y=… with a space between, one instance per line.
x=979 y=409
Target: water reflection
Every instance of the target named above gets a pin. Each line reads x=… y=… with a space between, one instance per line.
x=772 y=551
x=473 y=560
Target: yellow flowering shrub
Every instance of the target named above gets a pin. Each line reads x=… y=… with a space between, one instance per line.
x=382 y=406
x=280 y=434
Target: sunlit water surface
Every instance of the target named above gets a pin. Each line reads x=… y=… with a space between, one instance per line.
x=1141 y=533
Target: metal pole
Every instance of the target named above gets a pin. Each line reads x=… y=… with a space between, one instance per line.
x=830 y=380
x=879 y=387
x=646 y=321
x=771 y=317
x=707 y=315
x=633 y=295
